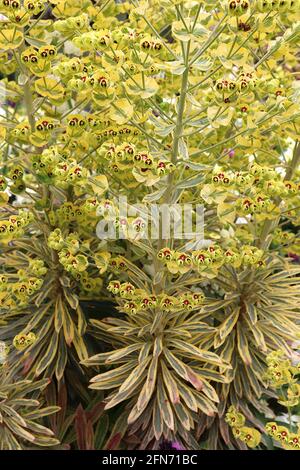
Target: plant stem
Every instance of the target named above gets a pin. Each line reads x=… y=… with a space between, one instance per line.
x=179 y=122
x=29 y=104
x=174 y=156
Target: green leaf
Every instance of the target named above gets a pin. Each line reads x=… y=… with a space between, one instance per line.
x=170 y=383
x=157 y=421
x=130 y=385
x=164 y=405
x=184 y=416
x=183 y=150
x=141 y=85
x=242 y=343
x=61 y=359
x=41 y=412
x=205 y=405
x=197 y=353
x=68 y=326
x=123 y=352
x=158 y=346
x=109 y=378
x=101 y=431
x=152 y=197
x=80 y=346
x=144 y=352
x=38 y=428
x=259 y=337
x=227 y=326
x=45 y=441
x=82 y=324
x=209 y=391
x=187 y=396
x=49 y=354
x=183 y=370
x=18 y=430
x=71 y=298
x=8 y=410
x=149 y=386
x=252 y=312
x=190 y=182
x=58 y=314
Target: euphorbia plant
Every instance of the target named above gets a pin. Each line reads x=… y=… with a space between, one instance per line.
x=164 y=102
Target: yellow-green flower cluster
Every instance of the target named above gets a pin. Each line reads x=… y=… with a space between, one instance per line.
x=236 y=421
x=18 y=293
x=208 y=261
x=289 y=440
x=23 y=340
x=138 y=300
x=281 y=372
x=14 y=226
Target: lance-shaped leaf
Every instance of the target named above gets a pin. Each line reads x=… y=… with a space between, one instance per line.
x=148 y=388
x=205 y=405
x=170 y=383
x=184 y=416
x=41 y=412
x=18 y=430
x=164 y=405
x=158 y=346
x=227 y=326
x=80 y=346
x=62 y=358
x=68 y=326
x=187 y=396
x=131 y=385
x=113 y=357
x=58 y=314
x=183 y=370
x=157 y=421
x=49 y=354
x=202 y=355
x=120 y=353
x=243 y=346
x=145 y=351
x=257 y=333
x=108 y=379
x=252 y=312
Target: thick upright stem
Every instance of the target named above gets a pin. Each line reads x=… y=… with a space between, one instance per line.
x=178 y=131
x=29 y=104
x=181 y=105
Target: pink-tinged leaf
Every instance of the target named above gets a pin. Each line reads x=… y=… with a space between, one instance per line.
x=84 y=430
x=27 y=365
x=195 y=380
x=114 y=442
x=94 y=414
